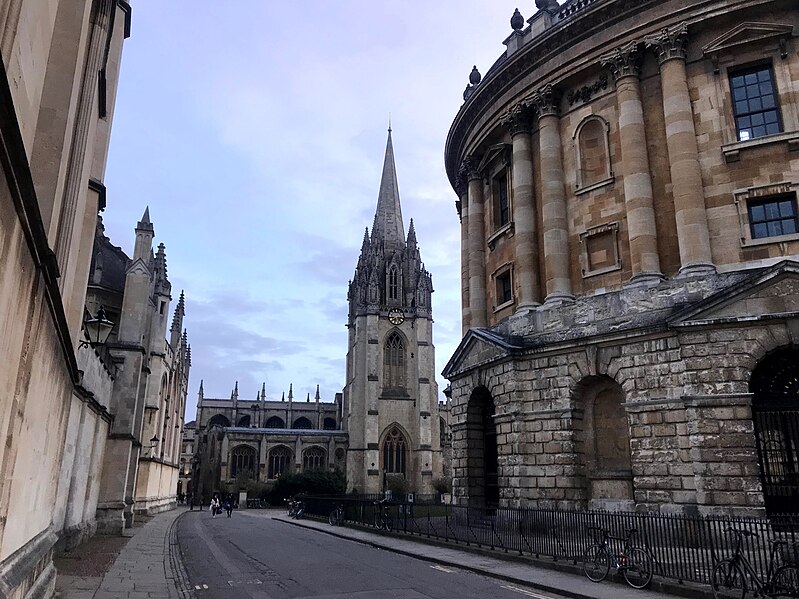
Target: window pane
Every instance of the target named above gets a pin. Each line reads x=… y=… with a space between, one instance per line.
x=787 y=208
x=772 y=128
x=737 y=81
x=759 y=231
x=772 y=210
x=757 y=213
x=750 y=78
x=774 y=228
x=739 y=93
x=771 y=116
x=757 y=119
x=741 y=107
x=758 y=131
x=754 y=105
x=789 y=226
x=765 y=87
x=744 y=122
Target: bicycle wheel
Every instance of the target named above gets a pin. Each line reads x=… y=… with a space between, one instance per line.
x=638 y=568
x=389 y=522
x=786 y=582
x=728 y=580
x=596 y=563
x=333 y=518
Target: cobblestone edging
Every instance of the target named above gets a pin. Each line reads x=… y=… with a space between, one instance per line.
x=177 y=569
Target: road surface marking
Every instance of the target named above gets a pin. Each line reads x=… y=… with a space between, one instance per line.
x=442 y=568
x=525 y=592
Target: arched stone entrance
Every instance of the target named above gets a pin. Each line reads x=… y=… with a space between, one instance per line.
x=775 y=410
x=603 y=444
x=482 y=457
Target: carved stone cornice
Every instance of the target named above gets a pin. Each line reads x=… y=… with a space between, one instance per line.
x=624 y=61
x=669 y=43
x=546 y=101
x=518 y=119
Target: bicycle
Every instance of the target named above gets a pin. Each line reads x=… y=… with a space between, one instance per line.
x=383 y=519
x=634 y=563
x=299 y=509
x=336 y=517
x=729 y=574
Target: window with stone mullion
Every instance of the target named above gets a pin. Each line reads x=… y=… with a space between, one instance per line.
x=394 y=363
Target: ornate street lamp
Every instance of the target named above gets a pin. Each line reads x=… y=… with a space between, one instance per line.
x=98 y=329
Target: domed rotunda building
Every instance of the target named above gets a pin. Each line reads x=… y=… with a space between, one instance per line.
x=627 y=176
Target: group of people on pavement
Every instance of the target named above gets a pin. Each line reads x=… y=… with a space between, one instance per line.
x=217 y=505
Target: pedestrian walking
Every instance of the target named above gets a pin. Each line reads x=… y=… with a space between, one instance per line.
x=229 y=507
x=214 y=507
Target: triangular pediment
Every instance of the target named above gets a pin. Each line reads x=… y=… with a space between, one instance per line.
x=747 y=33
x=770 y=293
x=499 y=152
x=478 y=347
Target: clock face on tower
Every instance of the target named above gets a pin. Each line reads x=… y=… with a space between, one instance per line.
x=395 y=316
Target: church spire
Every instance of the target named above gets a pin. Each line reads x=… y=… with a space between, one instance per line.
x=388 y=216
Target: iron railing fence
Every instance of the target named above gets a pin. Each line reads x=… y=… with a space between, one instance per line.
x=685 y=548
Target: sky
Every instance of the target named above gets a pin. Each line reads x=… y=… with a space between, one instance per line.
x=255 y=131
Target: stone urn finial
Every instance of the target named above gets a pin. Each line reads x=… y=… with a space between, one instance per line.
x=546 y=4
x=475 y=77
x=517 y=20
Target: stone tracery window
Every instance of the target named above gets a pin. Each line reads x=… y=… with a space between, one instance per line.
x=279 y=460
x=394 y=362
x=393 y=282
x=313 y=458
x=243 y=462
x=394 y=447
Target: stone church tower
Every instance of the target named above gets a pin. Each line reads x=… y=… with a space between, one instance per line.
x=391 y=395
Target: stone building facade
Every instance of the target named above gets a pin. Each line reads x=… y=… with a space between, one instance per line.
x=261 y=439
x=391 y=394
x=58 y=76
x=150 y=367
x=627 y=183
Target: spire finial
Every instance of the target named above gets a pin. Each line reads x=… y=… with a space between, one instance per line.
x=389 y=123
x=388 y=215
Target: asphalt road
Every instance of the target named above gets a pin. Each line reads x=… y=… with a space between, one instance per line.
x=255 y=557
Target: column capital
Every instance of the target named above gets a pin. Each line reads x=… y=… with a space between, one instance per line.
x=546 y=101
x=461 y=181
x=669 y=43
x=469 y=166
x=518 y=119
x=624 y=61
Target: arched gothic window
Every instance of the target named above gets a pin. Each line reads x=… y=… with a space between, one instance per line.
x=330 y=424
x=393 y=282
x=313 y=458
x=243 y=462
x=275 y=422
x=302 y=423
x=394 y=362
x=394 y=448
x=279 y=460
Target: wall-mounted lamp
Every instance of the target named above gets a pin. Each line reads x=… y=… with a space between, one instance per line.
x=97 y=329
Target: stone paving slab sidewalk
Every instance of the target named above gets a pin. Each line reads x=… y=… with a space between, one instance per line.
x=144 y=568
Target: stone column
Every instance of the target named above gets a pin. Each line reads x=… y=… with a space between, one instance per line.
x=686 y=176
x=461 y=187
x=556 y=229
x=477 y=278
x=624 y=65
x=526 y=261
